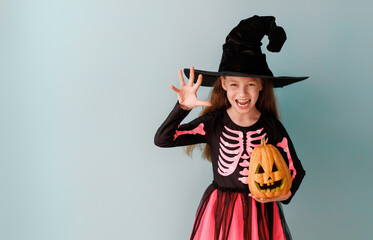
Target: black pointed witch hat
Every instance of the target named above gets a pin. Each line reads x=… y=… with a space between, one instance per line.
x=242 y=55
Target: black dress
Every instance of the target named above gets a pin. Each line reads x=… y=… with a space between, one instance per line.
x=226 y=211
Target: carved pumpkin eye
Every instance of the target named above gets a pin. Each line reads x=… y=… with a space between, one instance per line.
x=274 y=168
x=259 y=169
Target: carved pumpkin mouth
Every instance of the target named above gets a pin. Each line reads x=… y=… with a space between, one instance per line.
x=274 y=186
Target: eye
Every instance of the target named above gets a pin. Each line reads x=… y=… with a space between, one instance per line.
x=251 y=84
x=259 y=169
x=274 y=168
x=233 y=84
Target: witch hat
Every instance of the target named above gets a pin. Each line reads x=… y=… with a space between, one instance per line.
x=242 y=55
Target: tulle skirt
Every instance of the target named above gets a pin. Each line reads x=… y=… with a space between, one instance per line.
x=225 y=214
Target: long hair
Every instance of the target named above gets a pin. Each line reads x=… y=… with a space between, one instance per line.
x=266 y=104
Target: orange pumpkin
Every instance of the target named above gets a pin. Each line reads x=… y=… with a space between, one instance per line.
x=269 y=176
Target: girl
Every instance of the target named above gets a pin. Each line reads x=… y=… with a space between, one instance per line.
x=240 y=112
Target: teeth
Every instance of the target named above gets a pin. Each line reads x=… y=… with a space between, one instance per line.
x=243 y=103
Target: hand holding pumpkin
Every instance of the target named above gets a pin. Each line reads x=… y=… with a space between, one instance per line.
x=272 y=199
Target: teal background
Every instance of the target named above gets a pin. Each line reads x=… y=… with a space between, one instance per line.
x=85 y=85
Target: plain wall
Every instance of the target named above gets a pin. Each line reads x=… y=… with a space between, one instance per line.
x=85 y=85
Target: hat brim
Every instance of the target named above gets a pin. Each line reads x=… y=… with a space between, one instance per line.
x=209 y=78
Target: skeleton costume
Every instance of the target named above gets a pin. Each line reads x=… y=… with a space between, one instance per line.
x=226 y=211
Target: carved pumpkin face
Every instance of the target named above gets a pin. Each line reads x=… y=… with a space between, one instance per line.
x=268 y=175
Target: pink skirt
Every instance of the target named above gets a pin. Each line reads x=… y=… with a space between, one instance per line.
x=230 y=215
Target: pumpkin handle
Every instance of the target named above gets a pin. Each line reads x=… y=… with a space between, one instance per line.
x=263 y=141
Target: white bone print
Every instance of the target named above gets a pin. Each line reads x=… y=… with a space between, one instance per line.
x=227 y=165
x=249 y=148
x=284 y=145
x=230 y=152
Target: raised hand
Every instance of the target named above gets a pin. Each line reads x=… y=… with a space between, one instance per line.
x=187 y=93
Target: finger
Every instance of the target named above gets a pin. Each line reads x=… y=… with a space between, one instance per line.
x=251 y=195
x=204 y=103
x=258 y=199
x=191 y=77
x=175 y=89
x=199 y=81
x=181 y=78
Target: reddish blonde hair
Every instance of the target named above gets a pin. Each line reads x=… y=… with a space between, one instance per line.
x=266 y=104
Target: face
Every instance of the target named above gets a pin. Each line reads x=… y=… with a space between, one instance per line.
x=242 y=93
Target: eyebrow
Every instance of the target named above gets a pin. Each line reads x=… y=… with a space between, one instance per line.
x=248 y=81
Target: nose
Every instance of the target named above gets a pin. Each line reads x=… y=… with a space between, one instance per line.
x=243 y=91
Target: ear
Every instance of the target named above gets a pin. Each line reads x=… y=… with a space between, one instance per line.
x=223 y=83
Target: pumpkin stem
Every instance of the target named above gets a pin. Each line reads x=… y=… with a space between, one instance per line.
x=263 y=141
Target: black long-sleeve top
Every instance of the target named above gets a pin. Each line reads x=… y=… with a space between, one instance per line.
x=230 y=145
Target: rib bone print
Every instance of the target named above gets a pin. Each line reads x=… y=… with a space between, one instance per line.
x=235 y=146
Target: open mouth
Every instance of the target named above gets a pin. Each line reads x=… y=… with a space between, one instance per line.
x=273 y=186
x=243 y=103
